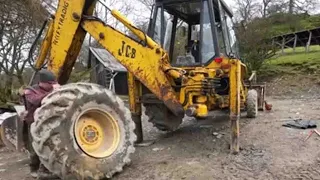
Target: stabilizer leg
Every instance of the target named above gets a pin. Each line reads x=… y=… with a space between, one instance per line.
x=235 y=86
x=135 y=91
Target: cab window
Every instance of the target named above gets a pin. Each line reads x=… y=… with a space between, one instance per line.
x=232 y=36
x=207 y=46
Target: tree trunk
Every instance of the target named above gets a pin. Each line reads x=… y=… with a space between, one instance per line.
x=8 y=88
x=2 y=96
x=264 y=12
x=20 y=79
x=291 y=5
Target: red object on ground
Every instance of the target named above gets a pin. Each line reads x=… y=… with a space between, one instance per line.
x=268 y=106
x=311 y=132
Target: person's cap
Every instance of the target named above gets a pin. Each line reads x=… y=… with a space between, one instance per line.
x=46 y=76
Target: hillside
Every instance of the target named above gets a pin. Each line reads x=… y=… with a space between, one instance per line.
x=293 y=74
x=286 y=23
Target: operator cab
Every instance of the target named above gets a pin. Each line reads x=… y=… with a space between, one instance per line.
x=193 y=32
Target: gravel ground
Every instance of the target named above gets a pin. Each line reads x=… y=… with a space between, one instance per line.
x=199 y=150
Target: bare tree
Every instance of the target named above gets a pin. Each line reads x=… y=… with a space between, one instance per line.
x=246 y=10
x=302 y=6
x=249 y=9
x=279 y=6
x=38 y=10
x=147 y=3
x=269 y=7
x=305 y=6
x=291 y=5
x=265 y=6
x=17 y=31
x=125 y=7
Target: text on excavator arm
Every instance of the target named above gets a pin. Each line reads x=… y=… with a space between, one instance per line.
x=65 y=36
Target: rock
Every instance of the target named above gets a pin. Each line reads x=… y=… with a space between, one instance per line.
x=258 y=153
x=206 y=126
x=219 y=136
x=157 y=149
x=215 y=134
x=192 y=162
x=2 y=170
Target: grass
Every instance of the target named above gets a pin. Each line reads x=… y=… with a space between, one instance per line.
x=292 y=63
x=294 y=74
x=300 y=57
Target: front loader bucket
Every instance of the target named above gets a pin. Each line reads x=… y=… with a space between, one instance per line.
x=11 y=131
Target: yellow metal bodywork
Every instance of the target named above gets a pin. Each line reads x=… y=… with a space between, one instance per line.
x=135 y=91
x=202 y=111
x=141 y=35
x=45 y=46
x=192 y=86
x=235 y=92
x=192 y=96
x=68 y=36
x=147 y=64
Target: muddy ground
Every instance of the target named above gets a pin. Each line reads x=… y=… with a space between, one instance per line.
x=268 y=150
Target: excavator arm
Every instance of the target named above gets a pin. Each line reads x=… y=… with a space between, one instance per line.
x=147 y=61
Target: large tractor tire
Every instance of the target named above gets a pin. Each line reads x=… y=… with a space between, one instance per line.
x=83 y=131
x=161 y=117
x=252 y=104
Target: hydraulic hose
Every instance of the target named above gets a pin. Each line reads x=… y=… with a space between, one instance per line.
x=32 y=49
x=30 y=55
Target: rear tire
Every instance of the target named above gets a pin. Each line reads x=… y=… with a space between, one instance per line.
x=54 y=132
x=252 y=104
x=161 y=117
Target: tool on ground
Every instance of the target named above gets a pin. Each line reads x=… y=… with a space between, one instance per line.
x=312 y=132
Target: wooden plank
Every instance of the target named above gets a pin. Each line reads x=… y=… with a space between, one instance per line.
x=295 y=42
x=309 y=41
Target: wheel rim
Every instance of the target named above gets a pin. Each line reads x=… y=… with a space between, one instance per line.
x=97 y=133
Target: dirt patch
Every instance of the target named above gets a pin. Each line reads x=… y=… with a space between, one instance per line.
x=13 y=165
x=296 y=86
x=269 y=151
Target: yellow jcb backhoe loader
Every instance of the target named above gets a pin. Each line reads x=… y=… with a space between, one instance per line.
x=187 y=65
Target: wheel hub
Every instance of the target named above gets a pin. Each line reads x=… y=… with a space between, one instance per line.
x=90 y=134
x=97 y=133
